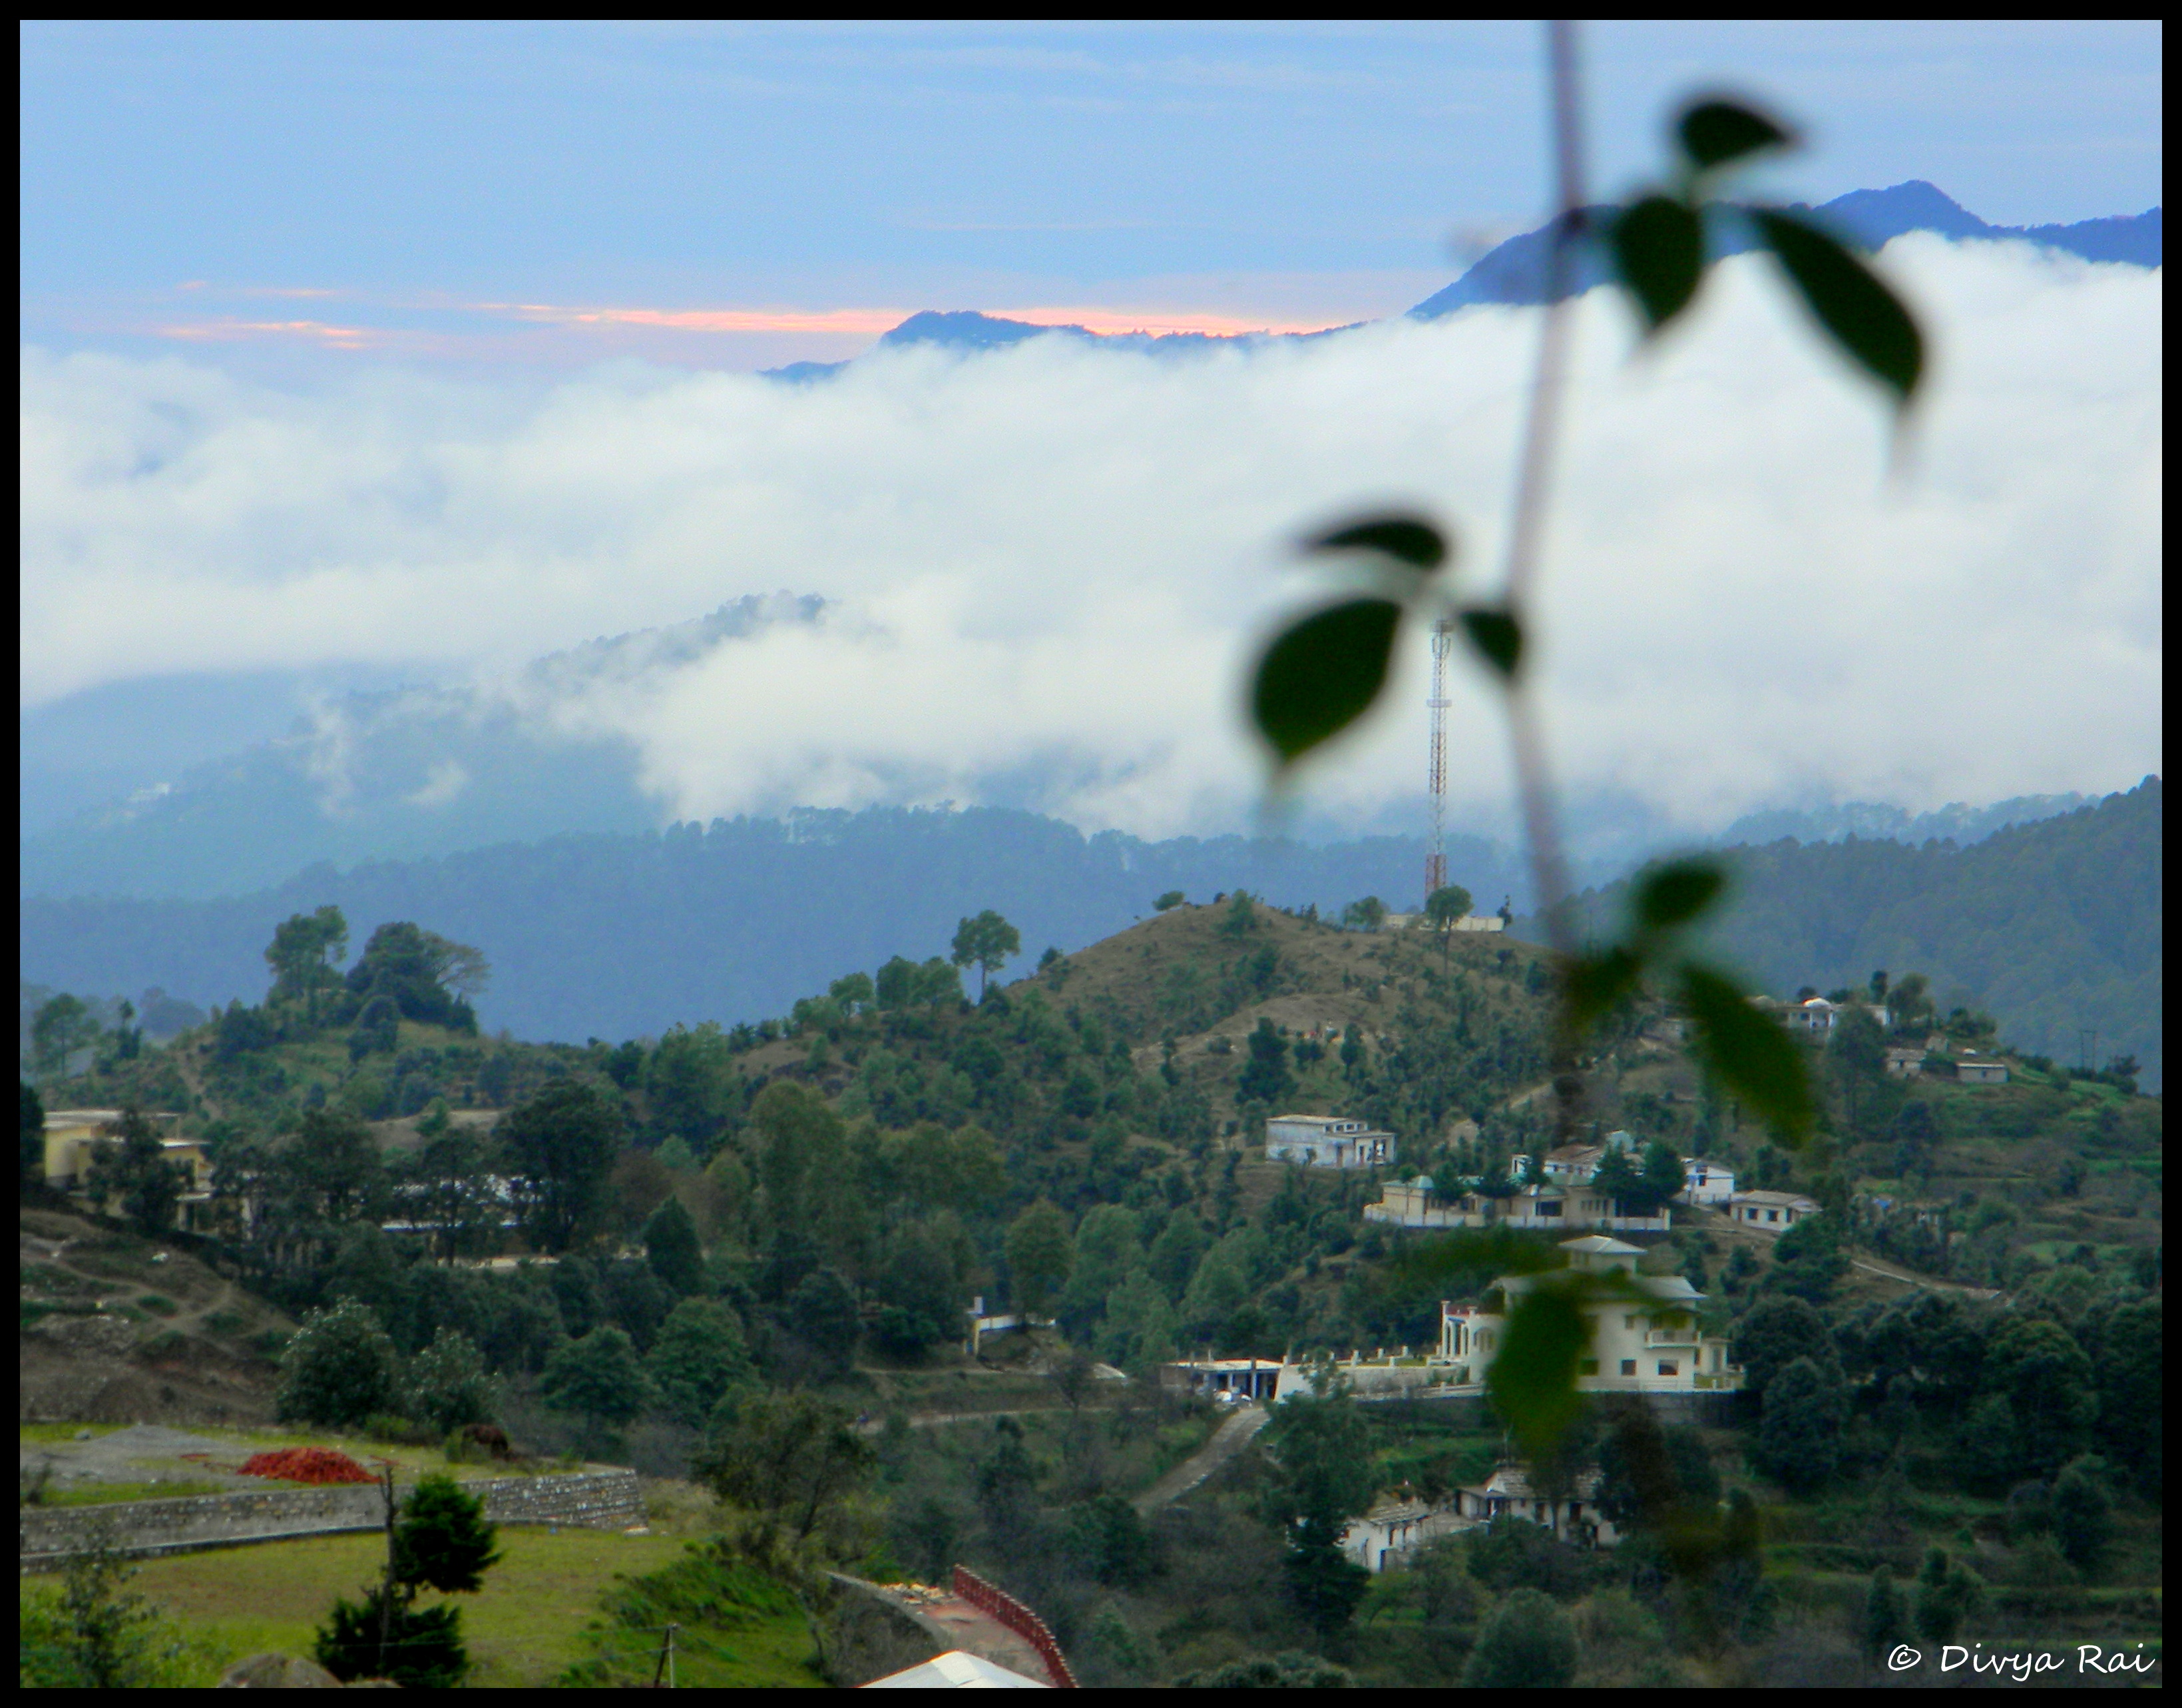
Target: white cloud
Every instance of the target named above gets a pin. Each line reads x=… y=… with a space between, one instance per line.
x=1051 y=564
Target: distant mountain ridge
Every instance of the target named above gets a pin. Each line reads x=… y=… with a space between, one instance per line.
x=2053 y=926
x=620 y=935
x=1515 y=272
x=393 y=773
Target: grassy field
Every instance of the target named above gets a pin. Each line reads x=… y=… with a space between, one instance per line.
x=527 y=1624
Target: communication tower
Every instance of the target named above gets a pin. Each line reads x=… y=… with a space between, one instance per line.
x=1443 y=640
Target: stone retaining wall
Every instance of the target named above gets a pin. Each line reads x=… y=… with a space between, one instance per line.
x=607 y=1499
x=865 y=1633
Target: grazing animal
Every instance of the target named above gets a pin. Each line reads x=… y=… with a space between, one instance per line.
x=490 y=1437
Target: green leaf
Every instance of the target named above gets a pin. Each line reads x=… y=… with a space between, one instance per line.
x=1322 y=674
x=1594 y=984
x=1531 y=1380
x=1497 y=637
x=1677 y=893
x=1714 y=132
x=1748 y=1052
x=1659 y=250
x=1408 y=540
x=1866 y=319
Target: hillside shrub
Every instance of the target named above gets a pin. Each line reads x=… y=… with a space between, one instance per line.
x=338 y=1368
x=1527 y=1644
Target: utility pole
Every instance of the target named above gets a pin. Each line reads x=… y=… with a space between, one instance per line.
x=1443 y=640
x=666 y=1667
x=386 y=1594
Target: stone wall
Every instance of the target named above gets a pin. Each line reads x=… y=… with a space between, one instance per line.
x=600 y=1498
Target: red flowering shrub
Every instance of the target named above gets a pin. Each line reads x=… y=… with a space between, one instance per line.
x=307 y=1465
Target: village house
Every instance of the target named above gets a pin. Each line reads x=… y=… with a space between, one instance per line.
x=1980 y=1070
x=1905 y=1060
x=1214 y=1378
x=1644 y=1335
x=1422 y=922
x=1396 y=1526
x=1562 y=1200
x=1707 y=1184
x=73 y=1136
x=1574 y=1518
x=1770 y=1212
x=1327 y=1141
x=1388 y=1537
x=1817 y=1016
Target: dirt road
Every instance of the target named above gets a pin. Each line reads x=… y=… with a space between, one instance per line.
x=1230 y=1439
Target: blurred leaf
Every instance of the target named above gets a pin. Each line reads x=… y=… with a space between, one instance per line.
x=1409 y=539
x=1677 y=893
x=1714 y=132
x=1659 y=249
x=1531 y=1380
x=1496 y=636
x=1595 y=984
x=1748 y=1052
x=1322 y=674
x=1866 y=318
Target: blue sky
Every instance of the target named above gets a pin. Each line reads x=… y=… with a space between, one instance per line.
x=412 y=185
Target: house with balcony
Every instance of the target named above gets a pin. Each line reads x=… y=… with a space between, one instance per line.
x=1643 y=1333
x=1327 y=1141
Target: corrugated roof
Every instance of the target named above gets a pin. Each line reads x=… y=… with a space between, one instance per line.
x=956 y=1671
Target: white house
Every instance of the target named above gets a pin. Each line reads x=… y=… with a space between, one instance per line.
x=1770 y=1212
x=1248 y=1378
x=1396 y=1526
x=1817 y=1016
x=1707 y=1184
x=1644 y=1337
x=1327 y=1141
x=1508 y=1494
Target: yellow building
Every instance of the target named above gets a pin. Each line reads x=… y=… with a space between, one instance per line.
x=1644 y=1334
x=73 y=1135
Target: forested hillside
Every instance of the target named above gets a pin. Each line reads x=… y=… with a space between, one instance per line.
x=748 y=1237
x=620 y=936
x=2053 y=927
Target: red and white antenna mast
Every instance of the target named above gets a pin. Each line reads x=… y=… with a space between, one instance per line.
x=1436 y=861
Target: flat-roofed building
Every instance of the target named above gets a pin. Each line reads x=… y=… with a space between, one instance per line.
x=1327 y=1141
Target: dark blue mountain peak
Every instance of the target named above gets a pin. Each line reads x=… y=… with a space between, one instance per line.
x=1515 y=272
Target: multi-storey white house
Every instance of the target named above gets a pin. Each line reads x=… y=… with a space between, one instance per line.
x=1327 y=1141
x=1644 y=1337
x=1707 y=1184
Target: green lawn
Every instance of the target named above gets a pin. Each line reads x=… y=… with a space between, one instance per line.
x=105 y=1493
x=523 y=1628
